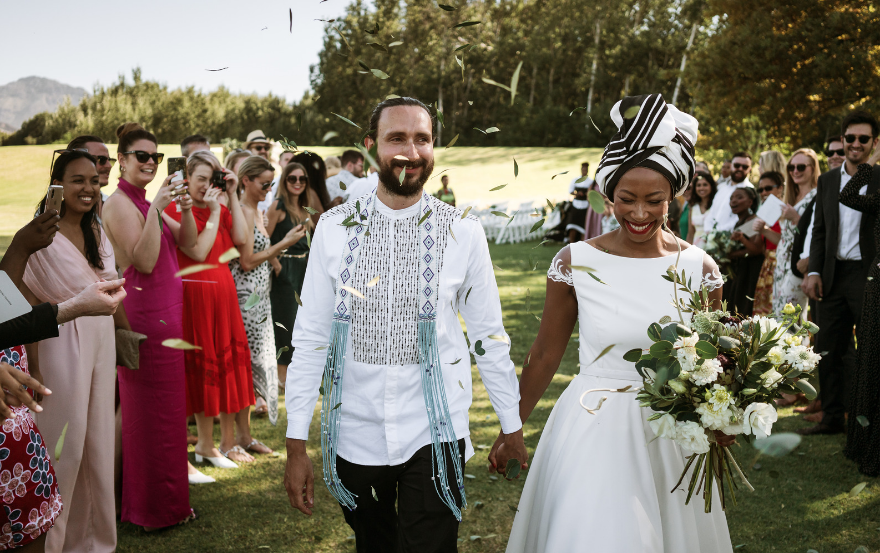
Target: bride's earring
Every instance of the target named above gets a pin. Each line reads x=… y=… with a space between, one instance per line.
x=122 y=168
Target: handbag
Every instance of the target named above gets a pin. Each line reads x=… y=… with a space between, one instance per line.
x=128 y=348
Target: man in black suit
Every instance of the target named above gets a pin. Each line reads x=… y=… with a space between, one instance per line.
x=841 y=251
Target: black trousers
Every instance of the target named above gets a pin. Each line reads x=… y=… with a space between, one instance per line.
x=421 y=523
x=837 y=313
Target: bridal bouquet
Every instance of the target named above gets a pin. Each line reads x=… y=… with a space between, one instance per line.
x=719 y=373
x=719 y=245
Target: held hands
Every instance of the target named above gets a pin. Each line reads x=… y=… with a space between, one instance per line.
x=506 y=447
x=12 y=380
x=212 y=199
x=299 y=477
x=37 y=234
x=294 y=235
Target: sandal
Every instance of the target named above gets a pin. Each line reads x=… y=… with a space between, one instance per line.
x=192 y=517
x=256 y=442
x=234 y=449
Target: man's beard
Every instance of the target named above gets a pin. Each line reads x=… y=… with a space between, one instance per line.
x=738 y=176
x=411 y=185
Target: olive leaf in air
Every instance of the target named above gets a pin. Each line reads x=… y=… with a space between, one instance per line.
x=347 y=120
x=597 y=201
x=59 y=445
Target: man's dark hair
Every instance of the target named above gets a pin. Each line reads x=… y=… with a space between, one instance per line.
x=741 y=154
x=80 y=141
x=390 y=103
x=858 y=118
x=192 y=139
x=350 y=156
x=586 y=164
x=833 y=139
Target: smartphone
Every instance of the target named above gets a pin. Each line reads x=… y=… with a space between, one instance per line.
x=177 y=164
x=218 y=180
x=54 y=199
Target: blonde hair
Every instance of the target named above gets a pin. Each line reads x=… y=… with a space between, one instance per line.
x=233 y=157
x=253 y=167
x=302 y=201
x=792 y=190
x=771 y=161
x=202 y=157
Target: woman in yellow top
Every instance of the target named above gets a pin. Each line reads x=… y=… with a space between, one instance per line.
x=445 y=194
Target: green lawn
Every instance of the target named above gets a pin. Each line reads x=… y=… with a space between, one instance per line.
x=24 y=174
x=801 y=501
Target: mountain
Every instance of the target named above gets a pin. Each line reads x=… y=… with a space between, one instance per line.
x=24 y=98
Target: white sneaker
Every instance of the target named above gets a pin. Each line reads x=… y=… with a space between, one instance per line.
x=220 y=462
x=200 y=478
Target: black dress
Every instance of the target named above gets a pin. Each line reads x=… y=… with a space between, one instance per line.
x=863 y=442
x=287 y=284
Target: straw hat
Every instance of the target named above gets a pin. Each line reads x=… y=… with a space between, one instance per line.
x=255 y=136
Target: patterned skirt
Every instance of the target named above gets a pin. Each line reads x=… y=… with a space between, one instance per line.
x=764 y=291
x=28 y=491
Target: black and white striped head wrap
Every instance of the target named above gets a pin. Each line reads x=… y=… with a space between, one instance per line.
x=652 y=134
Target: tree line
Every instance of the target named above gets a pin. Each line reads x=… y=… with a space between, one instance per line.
x=541 y=73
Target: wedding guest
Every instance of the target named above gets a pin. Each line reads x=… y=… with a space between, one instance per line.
x=235 y=158
x=863 y=441
x=316 y=171
x=194 y=143
x=264 y=205
x=700 y=204
x=258 y=144
x=768 y=183
x=218 y=374
x=834 y=152
x=445 y=194
x=80 y=363
x=352 y=169
x=771 y=161
x=726 y=169
x=745 y=262
x=334 y=165
x=154 y=495
x=251 y=274
x=289 y=220
x=578 y=212
x=721 y=217
x=841 y=252
x=103 y=162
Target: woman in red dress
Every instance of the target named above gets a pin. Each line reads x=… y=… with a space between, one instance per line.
x=218 y=372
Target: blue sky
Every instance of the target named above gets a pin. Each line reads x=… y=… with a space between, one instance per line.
x=174 y=42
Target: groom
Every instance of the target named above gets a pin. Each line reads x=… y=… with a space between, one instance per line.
x=378 y=336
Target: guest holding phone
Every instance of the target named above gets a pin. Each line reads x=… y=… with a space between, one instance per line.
x=152 y=399
x=745 y=263
x=80 y=362
x=218 y=373
x=251 y=273
x=289 y=220
x=769 y=183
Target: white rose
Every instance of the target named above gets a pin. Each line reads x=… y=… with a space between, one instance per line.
x=691 y=437
x=734 y=427
x=713 y=419
x=770 y=379
x=664 y=427
x=767 y=325
x=758 y=419
x=706 y=373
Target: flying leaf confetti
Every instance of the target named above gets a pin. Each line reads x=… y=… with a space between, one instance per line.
x=497 y=188
x=460 y=385
x=602 y=353
x=343 y=38
x=501 y=214
x=456 y=361
x=354 y=291
x=395 y=43
x=229 y=255
x=291 y=20
x=347 y=120
x=452 y=142
x=515 y=168
x=329 y=135
x=321 y=348
x=161 y=226
x=280 y=325
x=177 y=343
x=310 y=210
x=863 y=420
x=512 y=469
x=379 y=74
x=536 y=226
x=497 y=338
x=478 y=348
x=373 y=282
x=553 y=177
x=372 y=489
x=59 y=445
x=297 y=298
x=163 y=322
x=576 y=109
x=857 y=489
x=221 y=69
x=597 y=201
x=466 y=296
x=447 y=7
x=466 y=211
x=514 y=81
x=496 y=83
x=282 y=350
x=251 y=302
x=466 y=24
x=377 y=46
x=490 y=130
x=462 y=47
x=424 y=217
x=195 y=269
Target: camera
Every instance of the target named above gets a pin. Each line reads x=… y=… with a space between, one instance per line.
x=218 y=180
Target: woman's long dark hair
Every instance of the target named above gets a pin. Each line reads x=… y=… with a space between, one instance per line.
x=695 y=199
x=89 y=224
x=316 y=171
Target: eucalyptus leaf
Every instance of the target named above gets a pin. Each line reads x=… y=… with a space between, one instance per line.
x=597 y=201
x=497 y=188
x=654 y=332
x=551 y=178
x=633 y=355
x=310 y=210
x=478 y=348
x=501 y=214
x=161 y=224
x=280 y=325
x=456 y=362
x=498 y=338
x=665 y=319
x=372 y=489
x=395 y=43
x=706 y=350
x=661 y=349
x=728 y=343
x=195 y=269
x=806 y=388
x=515 y=168
x=462 y=47
x=377 y=46
x=337 y=406
x=602 y=353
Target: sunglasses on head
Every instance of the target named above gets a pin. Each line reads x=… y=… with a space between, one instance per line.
x=291 y=179
x=862 y=138
x=767 y=188
x=143 y=156
x=800 y=167
x=741 y=166
x=839 y=152
x=82 y=151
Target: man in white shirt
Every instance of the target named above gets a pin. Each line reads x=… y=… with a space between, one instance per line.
x=363 y=186
x=721 y=217
x=386 y=281
x=352 y=169
x=841 y=250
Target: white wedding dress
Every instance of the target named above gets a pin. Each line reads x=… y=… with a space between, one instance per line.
x=597 y=483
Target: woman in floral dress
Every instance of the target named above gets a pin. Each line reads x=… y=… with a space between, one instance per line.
x=800 y=189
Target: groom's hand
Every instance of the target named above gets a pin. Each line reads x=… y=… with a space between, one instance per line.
x=509 y=446
x=299 y=477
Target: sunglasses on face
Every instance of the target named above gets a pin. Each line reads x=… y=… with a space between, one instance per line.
x=260 y=148
x=267 y=185
x=800 y=167
x=291 y=179
x=767 y=189
x=839 y=152
x=104 y=160
x=741 y=166
x=143 y=156
x=862 y=138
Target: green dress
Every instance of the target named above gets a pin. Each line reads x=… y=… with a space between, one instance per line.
x=287 y=284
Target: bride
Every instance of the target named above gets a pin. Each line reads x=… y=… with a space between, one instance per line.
x=599 y=481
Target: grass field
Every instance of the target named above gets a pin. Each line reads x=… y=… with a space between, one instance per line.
x=801 y=500
x=24 y=174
